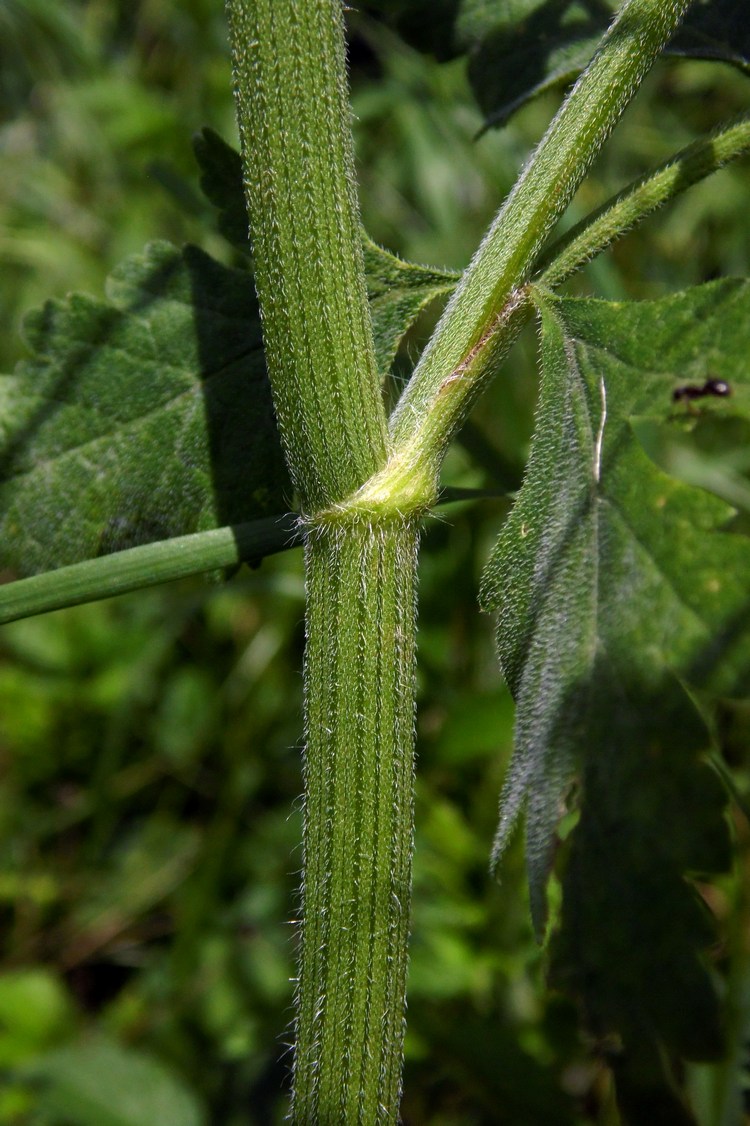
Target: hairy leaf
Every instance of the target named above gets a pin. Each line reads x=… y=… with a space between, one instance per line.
x=138 y=418
x=398 y=290
x=520 y=48
x=148 y=415
x=619 y=589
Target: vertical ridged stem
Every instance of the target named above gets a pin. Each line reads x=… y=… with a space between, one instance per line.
x=298 y=166
x=359 y=686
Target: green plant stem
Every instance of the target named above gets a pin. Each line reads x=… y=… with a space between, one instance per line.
x=288 y=59
x=641 y=198
x=148 y=565
x=359 y=687
x=293 y=113
x=362 y=499
x=490 y=297
x=408 y=482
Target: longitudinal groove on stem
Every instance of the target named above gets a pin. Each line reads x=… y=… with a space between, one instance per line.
x=290 y=80
x=359 y=683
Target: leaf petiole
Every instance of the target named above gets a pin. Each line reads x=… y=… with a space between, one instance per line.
x=147 y=565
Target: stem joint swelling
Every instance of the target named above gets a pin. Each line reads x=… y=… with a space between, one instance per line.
x=399 y=494
x=361 y=551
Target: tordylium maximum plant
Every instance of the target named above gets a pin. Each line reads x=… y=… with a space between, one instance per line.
x=621 y=595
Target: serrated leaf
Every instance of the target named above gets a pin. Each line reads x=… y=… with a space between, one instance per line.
x=522 y=47
x=148 y=415
x=139 y=418
x=99 y=1083
x=397 y=290
x=615 y=585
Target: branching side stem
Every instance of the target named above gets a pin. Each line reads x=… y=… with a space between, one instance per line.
x=640 y=199
x=505 y=258
x=147 y=565
x=363 y=494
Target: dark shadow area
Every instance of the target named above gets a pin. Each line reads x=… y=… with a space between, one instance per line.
x=478 y=1068
x=632 y=941
x=719 y=30
x=249 y=475
x=514 y=63
x=426 y=25
x=508 y=66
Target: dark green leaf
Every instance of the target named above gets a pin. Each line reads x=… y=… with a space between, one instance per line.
x=221 y=183
x=522 y=47
x=99 y=1083
x=632 y=930
x=715 y=29
x=139 y=418
x=615 y=585
x=398 y=290
x=148 y=415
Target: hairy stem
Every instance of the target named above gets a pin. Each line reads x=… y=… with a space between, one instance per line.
x=298 y=167
x=359 y=686
x=640 y=199
x=490 y=293
x=288 y=59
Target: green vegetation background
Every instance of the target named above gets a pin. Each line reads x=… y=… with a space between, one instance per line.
x=150 y=746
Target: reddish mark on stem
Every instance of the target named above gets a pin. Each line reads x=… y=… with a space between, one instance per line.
x=516 y=299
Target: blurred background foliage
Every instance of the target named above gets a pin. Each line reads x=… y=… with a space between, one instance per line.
x=150 y=746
